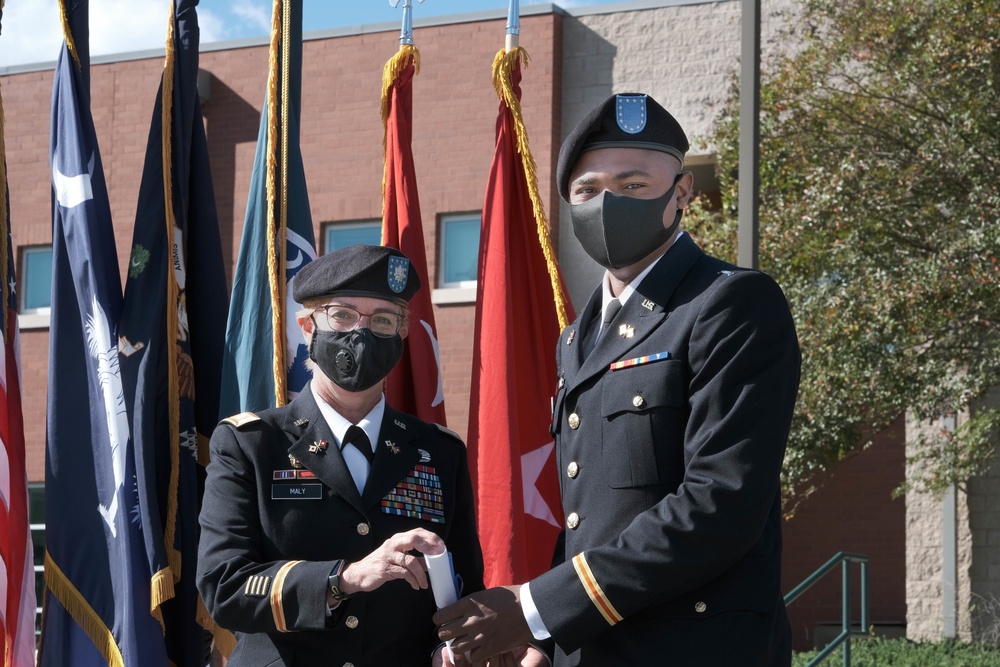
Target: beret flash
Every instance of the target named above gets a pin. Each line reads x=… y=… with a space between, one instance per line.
x=627 y=120
x=358 y=270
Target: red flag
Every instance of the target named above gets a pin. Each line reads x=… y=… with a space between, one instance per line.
x=415 y=385
x=17 y=573
x=520 y=310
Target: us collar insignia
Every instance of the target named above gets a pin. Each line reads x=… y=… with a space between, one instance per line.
x=301 y=422
x=393 y=447
x=572 y=335
x=425 y=456
x=318 y=447
x=626 y=331
x=399 y=424
x=647 y=304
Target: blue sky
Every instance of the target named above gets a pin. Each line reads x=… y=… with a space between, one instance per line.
x=32 y=32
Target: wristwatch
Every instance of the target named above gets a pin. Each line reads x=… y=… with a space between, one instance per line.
x=333 y=581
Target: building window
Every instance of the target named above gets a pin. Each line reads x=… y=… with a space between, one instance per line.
x=36 y=278
x=337 y=235
x=459 y=260
x=36 y=521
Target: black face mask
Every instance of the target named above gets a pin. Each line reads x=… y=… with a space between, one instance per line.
x=618 y=231
x=355 y=360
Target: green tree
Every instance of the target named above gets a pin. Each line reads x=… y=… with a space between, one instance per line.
x=880 y=217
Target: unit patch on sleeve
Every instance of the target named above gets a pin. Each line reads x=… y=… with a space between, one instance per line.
x=418 y=496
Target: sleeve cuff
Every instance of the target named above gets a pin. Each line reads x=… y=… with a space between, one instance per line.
x=531 y=615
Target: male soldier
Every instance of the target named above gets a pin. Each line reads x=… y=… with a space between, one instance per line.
x=313 y=512
x=675 y=396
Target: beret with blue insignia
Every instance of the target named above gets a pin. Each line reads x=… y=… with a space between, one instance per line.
x=358 y=270
x=626 y=120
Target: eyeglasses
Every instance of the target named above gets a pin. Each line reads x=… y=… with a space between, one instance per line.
x=333 y=317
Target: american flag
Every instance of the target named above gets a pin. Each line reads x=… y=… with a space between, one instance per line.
x=17 y=574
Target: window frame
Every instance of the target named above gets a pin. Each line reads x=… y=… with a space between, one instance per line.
x=31 y=318
x=331 y=225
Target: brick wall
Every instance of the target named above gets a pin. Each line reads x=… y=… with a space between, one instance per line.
x=454 y=111
x=852 y=511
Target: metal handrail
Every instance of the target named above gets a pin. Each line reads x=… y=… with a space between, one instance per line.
x=845 y=560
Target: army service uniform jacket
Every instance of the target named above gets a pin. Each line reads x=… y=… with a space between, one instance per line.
x=271 y=531
x=670 y=438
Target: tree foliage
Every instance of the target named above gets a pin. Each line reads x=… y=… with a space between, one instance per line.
x=880 y=218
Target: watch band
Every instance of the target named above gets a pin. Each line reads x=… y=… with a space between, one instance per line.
x=333 y=582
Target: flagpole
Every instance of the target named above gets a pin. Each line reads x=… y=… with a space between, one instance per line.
x=513 y=25
x=406 y=34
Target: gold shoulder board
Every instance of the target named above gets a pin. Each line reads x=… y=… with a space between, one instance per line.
x=242 y=419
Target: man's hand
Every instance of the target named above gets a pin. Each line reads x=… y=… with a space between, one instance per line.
x=392 y=561
x=484 y=624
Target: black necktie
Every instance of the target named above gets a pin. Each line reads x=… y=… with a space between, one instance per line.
x=356 y=436
x=609 y=314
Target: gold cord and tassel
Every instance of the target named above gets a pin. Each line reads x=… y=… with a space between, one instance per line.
x=393 y=67
x=503 y=73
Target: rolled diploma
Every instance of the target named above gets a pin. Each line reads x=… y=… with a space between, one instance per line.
x=442 y=576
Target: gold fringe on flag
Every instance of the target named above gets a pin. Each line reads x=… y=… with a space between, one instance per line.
x=503 y=72
x=82 y=613
x=67 y=34
x=173 y=328
x=225 y=641
x=393 y=67
x=276 y=234
x=161 y=589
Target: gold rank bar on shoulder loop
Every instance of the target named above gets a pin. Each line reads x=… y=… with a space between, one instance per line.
x=293 y=474
x=637 y=361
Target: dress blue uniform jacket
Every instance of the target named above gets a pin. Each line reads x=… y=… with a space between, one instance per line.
x=270 y=536
x=670 y=438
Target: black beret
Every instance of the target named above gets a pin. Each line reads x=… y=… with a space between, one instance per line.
x=627 y=120
x=358 y=270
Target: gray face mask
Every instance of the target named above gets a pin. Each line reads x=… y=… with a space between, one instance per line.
x=618 y=231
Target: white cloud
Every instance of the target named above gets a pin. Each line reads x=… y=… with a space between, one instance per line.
x=32 y=30
x=258 y=14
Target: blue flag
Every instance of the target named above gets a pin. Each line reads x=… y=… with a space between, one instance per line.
x=171 y=335
x=97 y=580
x=248 y=378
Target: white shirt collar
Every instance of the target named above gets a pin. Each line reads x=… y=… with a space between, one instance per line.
x=371 y=424
x=607 y=296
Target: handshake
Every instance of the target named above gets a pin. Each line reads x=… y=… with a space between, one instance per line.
x=485 y=628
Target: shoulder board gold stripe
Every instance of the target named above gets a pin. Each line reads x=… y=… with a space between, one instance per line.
x=241 y=419
x=595 y=591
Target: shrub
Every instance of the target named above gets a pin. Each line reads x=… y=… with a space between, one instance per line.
x=878 y=652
